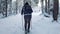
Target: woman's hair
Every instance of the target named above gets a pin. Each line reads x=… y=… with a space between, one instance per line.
x=26 y=3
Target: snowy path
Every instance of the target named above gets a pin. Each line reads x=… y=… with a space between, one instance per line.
x=40 y=25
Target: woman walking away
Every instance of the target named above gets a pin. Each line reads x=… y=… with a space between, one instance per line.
x=27 y=12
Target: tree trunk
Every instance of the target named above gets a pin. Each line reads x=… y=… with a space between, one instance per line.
x=6 y=9
x=10 y=10
x=55 y=10
x=46 y=6
x=16 y=6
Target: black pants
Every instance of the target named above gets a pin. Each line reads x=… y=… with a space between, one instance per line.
x=27 y=19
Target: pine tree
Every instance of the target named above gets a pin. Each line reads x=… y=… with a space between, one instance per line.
x=6 y=8
x=55 y=9
x=46 y=6
x=42 y=5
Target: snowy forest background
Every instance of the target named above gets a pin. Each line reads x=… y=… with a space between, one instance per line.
x=12 y=22
x=12 y=7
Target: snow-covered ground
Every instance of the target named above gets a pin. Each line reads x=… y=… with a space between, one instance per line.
x=39 y=25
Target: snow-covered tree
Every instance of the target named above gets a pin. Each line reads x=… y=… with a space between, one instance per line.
x=55 y=9
x=42 y=6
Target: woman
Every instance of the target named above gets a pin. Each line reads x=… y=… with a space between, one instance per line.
x=27 y=12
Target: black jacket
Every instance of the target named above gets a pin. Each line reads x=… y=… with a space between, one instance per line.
x=26 y=9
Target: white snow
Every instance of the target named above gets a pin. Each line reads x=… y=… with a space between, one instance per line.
x=39 y=24
x=13 y=0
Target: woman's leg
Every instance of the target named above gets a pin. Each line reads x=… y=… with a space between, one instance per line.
x=28 y=25
x=29 y=20
x=25 y=23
